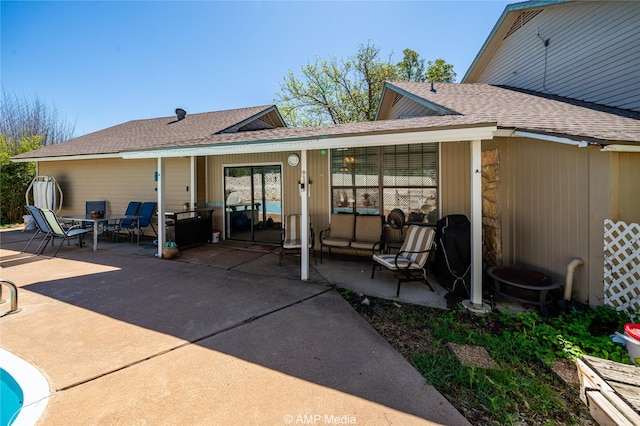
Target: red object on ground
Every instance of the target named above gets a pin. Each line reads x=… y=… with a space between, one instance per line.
x=632 y=330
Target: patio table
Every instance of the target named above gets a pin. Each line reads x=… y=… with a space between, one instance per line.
x=96 y=222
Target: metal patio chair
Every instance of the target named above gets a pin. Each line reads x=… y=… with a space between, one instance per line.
x=291 y=236
x=41 y=227
x=115 y=226
x=410 y=263
x=146 y=212
x=57 y=230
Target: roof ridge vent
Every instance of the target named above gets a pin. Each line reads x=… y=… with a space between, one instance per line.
x=180 y=113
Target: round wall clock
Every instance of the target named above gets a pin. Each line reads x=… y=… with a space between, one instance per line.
x=293 y=160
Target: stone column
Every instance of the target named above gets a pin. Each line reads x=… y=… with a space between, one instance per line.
x=491 y=215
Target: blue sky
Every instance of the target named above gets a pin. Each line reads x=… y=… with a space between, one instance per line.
x=104 y=63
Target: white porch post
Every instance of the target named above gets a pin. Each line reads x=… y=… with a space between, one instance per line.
x=304 y=222
x=161 y=205
x=192 y=184
x=476 y=223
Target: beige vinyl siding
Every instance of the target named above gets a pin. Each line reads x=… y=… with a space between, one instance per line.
x=404 y=107
x=455 y=178
x=557 y=198
x=593 y=54
x=117 y=181
x=627 y=170
x=320 y=201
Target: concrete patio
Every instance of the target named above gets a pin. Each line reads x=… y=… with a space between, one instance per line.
x=220 y=335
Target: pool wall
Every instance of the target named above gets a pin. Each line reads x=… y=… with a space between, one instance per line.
x=34 y=385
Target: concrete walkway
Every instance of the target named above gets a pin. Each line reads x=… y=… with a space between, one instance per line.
x=221 y=335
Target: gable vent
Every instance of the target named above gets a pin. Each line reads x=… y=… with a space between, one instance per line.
x=521 y=20
x=396 y=99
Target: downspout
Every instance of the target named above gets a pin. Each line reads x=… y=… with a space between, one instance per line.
x=568 y=285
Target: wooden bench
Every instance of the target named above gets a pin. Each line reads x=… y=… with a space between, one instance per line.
x=352 y=231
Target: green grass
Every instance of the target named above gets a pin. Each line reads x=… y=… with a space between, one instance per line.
x=525 y=390
x=526 y=347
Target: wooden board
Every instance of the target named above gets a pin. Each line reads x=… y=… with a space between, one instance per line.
x=610 y=390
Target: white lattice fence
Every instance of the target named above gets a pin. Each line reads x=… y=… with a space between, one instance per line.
x=622 y=265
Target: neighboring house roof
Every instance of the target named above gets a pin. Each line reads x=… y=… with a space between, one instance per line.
x=154 y=132
x=519 y=110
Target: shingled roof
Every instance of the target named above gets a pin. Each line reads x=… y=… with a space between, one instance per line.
x=525 y=111
x=455 y=106
x=163 y=131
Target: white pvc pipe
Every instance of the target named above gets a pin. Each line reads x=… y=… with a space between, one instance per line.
x=571 y=267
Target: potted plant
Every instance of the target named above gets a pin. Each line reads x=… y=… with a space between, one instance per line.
x=365 y=199
x=170 y=250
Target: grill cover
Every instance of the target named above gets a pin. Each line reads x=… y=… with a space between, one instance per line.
x=452 y=265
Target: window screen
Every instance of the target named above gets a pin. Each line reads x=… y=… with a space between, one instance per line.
x=376 y=180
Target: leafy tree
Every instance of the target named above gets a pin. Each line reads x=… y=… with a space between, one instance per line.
x=333 y=91
x=440 y=71
x=25 y=125
x=15 y=177
x=412 y=67
x=336 y=91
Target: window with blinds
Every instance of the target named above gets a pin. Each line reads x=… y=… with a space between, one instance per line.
x=376 y=180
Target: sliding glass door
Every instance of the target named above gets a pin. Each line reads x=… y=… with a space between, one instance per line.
x=253 y=203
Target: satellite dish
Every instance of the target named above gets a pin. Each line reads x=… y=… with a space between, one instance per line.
x=180 y=113
x=396 y=219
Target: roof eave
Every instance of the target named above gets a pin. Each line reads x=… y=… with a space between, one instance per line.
x=481 y=131
x=66 y=158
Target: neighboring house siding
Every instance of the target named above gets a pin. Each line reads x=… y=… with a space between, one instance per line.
x=593 y=54
x=558 y=198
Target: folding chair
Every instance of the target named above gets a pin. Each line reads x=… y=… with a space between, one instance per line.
x=41 y=227
x=56 y=230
